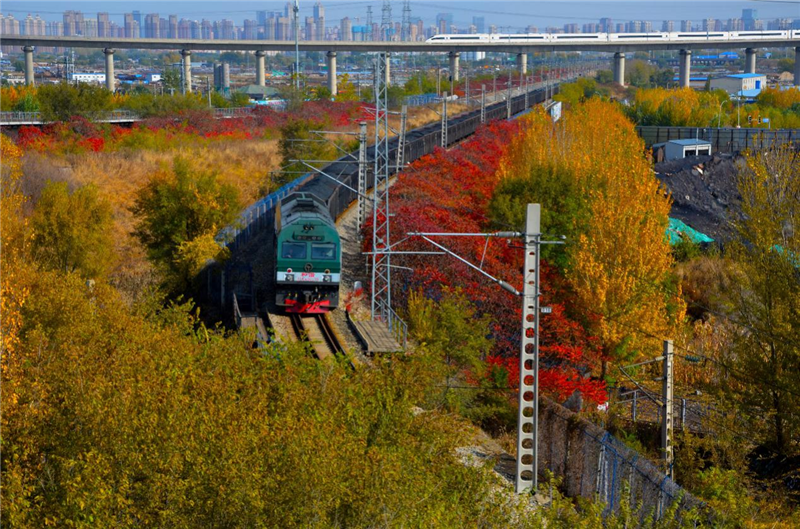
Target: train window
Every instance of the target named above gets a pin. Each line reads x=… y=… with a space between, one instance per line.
x=323 y=251
x=293 y=250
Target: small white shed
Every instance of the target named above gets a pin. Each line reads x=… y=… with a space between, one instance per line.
x=679 y=149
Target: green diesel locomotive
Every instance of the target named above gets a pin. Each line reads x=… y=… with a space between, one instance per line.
x=308 y=259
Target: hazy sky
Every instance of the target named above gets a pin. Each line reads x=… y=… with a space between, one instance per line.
x=508 y=13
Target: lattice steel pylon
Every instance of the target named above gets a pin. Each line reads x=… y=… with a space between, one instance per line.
x=401 y=139
x=483 y=103
x=386 y=20
x=362 y=176
x=381 y=262
x=405 y=28
x=444 y=120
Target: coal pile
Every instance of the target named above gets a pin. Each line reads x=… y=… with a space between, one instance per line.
x=704 y=192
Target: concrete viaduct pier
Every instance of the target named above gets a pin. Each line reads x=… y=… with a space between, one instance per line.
x=453 y=49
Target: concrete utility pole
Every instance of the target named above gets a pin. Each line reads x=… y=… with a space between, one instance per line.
x=528 y=413
x=109 y=53
x=186 y=71
x=332 y=82
x=667 y=422
x=528 y=417
x=28 y=51
x=261 y=67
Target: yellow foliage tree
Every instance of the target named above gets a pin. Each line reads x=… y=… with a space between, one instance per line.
x=621 y=258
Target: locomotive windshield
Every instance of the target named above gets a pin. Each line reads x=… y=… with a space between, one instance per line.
x=294 y=250
x=325 y=252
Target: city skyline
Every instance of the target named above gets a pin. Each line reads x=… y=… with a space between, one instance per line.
x=513 y=15
x=278 y=24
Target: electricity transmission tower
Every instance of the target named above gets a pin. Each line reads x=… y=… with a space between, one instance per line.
x=296 y=11
x=381 y=259
x=406 y=24
x=386 y=20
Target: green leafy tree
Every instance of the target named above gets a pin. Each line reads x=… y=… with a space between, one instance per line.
x=177 y=213
x=27 y=103
x=239 y=99
x=565 y=212
x=62 y=101
x=218 y=100
x=765 y=356
x=605 y=77
x=171 y=80
x=72 y=231
x=786 y=65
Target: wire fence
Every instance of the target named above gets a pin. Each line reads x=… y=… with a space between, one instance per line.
x=596 y=465
x=638 y=405
x=723 y=139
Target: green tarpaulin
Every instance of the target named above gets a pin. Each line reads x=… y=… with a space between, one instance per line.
x=677 y=227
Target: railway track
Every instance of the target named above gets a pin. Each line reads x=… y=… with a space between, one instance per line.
x=317 y=331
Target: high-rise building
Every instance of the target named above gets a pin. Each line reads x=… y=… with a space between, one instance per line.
x=128 y=25
x=103 y=25
x=709 y=24
x=606 y=25
x=206 y=30
x=283 y=28
x=152 y=24
x=749 y=17
x=137 y=16
x=89 y=28
x=172 y=23
x=668 y=26
x=479 y=23
x=184 y=29
x=55 y=29
x=686 y=25
x=571 y=28
x=735 y=24
x=346 y=29
x=309 y=30
x=591 y=28
x=250 y=30
x=73 y=23
x=319 y=21
x=444 y=21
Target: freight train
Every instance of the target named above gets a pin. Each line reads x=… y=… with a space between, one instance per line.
x=308 y=258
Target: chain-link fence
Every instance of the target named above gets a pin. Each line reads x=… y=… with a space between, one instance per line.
x=596 y=465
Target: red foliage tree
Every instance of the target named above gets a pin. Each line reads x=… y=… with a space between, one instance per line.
x=449 y=191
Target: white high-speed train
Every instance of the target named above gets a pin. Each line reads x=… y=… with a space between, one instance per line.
x=712 y=36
